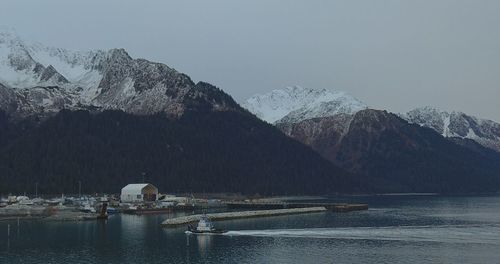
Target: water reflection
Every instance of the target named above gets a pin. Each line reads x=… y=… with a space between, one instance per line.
x=204 y=244
x=133 y=226
x=396 y=230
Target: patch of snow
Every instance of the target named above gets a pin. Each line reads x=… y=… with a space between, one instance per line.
x=446 y=127
x=9 y=75
x=457 y=124
x=128 y=89
x=72 y=65
x=89 y=83
x=47 y=102
x=304 y=103
x=471 y=134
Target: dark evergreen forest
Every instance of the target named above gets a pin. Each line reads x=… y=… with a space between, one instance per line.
x=210 y=151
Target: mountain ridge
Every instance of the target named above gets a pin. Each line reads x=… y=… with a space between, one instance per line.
x=45 y=80
x=296 y=103
x=394 y=155
x=307 y=103
x=457 y=124
x=390 y=153
x=104 y=118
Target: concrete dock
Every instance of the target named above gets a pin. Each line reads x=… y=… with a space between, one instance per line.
x=335 y=207
x=184 y=220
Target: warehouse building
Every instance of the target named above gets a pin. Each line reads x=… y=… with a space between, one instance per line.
x=139 y=192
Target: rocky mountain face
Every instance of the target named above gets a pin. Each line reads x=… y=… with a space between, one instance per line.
x=394 y=155
x=104 y=118
x=457 y=125
x=36 y=79
x=390 y=154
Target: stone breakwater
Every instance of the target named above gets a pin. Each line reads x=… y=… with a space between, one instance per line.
x=178 y=221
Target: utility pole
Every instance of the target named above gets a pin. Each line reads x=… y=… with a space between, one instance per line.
x=36 y=189
x=79 y=189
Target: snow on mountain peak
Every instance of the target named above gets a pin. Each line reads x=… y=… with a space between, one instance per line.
x=296 y=103
x=22 y=63
x=37 y=79
x=457 y=124
x=8 y=34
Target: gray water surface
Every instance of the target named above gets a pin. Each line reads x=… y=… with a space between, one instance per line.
x=396 y=229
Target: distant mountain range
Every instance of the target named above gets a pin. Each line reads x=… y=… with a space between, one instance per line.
x=104 y=118
x=391 y=152
x=294 y=104
x=457 y=125
x=38 y=79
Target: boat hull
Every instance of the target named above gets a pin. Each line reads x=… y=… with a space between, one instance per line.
x=195 y=231
x=212 y=232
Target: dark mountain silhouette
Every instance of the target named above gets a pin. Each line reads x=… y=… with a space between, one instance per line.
x=395 y=156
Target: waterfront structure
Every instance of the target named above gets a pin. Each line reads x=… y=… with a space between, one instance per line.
x=139 y=192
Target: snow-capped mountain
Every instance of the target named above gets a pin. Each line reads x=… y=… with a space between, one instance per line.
x=457 y=124
x=386 y=150
x=294 y=104
x=215 y=139
x=38 y=79
x=24 y=64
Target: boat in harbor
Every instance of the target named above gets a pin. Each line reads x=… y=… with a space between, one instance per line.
x=112 y=210
x=26 y=202
x=87 y=208
x=56 y=201
x=205 y=226
x=3 y=202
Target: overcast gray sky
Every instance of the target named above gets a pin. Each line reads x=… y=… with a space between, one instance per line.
x=392 y=54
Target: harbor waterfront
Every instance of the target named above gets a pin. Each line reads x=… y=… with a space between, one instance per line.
x=144 y=198
x=395 y=229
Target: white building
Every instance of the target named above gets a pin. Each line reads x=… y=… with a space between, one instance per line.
x=139 y=192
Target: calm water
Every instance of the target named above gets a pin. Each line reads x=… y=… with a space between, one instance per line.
x=397 y=229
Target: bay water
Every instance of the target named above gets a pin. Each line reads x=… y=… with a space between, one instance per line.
x=396 y=229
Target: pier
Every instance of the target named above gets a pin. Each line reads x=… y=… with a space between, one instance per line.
x=335 y=207
x=184 y=220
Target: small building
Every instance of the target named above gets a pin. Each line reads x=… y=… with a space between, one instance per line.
x=139 y=192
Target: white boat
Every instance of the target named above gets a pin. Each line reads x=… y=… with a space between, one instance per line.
x=205 y=226
x=104 y=199
x=26 y=202
x=4 y=202
x=12 y=199
x=56 y=201
x=38 y=201
x=87 y=208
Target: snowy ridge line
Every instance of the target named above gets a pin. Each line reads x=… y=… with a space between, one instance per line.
x=295 y=103
x=457 y=124
x=40 y=80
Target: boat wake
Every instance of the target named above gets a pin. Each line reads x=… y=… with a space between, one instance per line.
x=480 y=234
